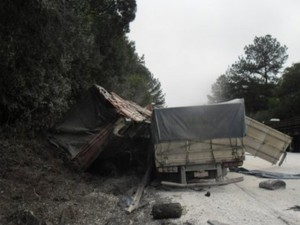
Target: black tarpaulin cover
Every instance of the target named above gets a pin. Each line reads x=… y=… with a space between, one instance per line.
x=222 y=120
x=100 y=122
x=84 y=121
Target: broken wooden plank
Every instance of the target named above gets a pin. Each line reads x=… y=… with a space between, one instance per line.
x=137 y=197
x=208 y=184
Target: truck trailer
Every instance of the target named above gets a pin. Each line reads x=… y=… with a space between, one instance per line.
x=206 y=140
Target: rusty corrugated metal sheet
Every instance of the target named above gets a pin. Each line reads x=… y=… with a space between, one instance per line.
x=127 y=108
x=92 y=150
x=130 y=109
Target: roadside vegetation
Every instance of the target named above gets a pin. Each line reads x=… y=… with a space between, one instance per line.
x=51 y=52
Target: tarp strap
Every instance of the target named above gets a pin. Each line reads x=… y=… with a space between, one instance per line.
x=212 y=151
x=187 y=149
x=234 y=148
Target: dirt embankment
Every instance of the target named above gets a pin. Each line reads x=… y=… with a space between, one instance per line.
x=36 y=187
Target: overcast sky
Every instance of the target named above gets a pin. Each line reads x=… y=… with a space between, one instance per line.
x=187 y=44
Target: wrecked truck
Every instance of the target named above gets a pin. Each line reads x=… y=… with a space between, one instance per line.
x=196 y=141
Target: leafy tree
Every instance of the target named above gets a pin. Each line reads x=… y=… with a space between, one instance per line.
x=253 y=76
x=289 y=93
x=142 y=87
x=33 y=83
x=229 y=86
x=263 y=59
x=155 y=91
x=221 y=90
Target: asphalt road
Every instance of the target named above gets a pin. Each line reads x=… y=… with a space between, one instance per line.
x=244 y=202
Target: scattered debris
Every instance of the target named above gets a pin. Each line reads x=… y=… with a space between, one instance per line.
x=136 y=200
x=266 y=174
x=272 y=184
x=207 y=194
x=295 y=208
x=215 y=222
x=125 y=202
x=167 y=210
